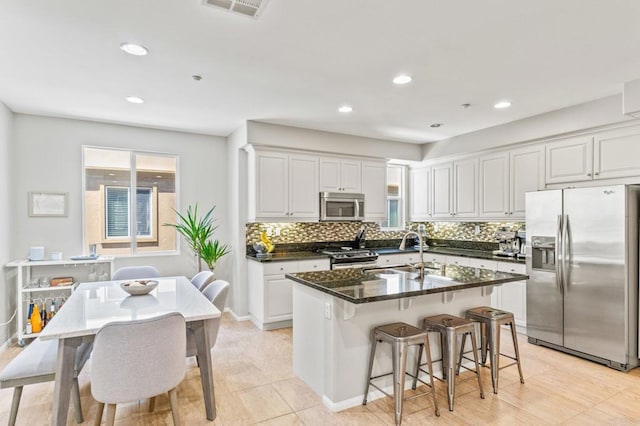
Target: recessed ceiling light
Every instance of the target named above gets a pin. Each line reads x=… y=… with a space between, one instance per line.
x=345 y=108
x=436 y=125
x=159 y=177
x=134 y=49
x=134 y=100
x=112 y=174
x=502 y=104
x=402 y=79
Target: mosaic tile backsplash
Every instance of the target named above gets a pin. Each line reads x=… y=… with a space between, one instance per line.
x=304 y=232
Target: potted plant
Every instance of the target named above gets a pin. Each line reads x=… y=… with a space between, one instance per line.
x=198 y=231
x=211 y=251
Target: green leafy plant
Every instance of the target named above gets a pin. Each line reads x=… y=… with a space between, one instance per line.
x=212 y=250
x=198 y=231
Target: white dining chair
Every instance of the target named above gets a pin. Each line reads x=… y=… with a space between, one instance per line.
x=129 y=364
x=217 y=293
x=135 y=272
x=202 y=279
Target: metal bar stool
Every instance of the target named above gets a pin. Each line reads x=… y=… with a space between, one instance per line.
x=490 y=320
x=450 y=327
x=400 y=335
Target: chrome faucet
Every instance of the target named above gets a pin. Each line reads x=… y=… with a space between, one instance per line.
x=403 y=244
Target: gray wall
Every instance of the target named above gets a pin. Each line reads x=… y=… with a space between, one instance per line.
x=578 y=117
x=297 y=138
x=47 y=156
x=7 y=288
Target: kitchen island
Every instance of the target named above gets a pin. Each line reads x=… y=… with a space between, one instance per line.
x=335 y=311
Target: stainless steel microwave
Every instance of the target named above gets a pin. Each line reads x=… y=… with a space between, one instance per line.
x=341 y=207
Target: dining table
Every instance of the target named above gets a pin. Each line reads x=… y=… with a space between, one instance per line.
x=94 y=304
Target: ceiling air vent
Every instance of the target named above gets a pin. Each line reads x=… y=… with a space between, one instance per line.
x=251 y=8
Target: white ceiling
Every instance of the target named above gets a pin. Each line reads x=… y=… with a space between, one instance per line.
x=302 y=59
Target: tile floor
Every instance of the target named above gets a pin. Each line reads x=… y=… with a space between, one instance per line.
x=255 y=384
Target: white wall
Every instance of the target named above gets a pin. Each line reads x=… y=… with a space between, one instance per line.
x=47 y=156
x=316 y=140
x=584 y=116
x=238 y=300
x=7 y=287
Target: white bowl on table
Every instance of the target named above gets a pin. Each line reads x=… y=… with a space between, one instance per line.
x=138 y=287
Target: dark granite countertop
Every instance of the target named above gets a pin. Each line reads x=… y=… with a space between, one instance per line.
x=300 y=255
x=365 y=286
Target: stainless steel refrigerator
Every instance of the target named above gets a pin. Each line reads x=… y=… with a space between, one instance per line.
x=582 y=260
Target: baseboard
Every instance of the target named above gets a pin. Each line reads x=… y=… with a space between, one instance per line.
x=238 y=317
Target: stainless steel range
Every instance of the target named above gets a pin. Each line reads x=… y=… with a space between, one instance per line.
x=348 y=258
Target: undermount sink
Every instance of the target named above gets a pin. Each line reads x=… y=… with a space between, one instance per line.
x=408 y=271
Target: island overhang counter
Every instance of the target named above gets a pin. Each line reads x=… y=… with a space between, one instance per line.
x=335 y=311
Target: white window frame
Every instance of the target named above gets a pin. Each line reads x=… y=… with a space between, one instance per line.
x=401 y=197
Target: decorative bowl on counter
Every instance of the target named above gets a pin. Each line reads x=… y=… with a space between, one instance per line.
x=139 y=287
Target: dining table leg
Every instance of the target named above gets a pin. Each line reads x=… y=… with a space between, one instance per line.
x=67 y=349
x=203 y=347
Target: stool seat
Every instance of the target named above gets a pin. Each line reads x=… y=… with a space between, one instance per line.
x=399 y=331
x=400 y=335
x=450 y=327
x=491 y=319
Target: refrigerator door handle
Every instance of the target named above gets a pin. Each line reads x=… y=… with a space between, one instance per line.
x=559 y=255
x=566 y=255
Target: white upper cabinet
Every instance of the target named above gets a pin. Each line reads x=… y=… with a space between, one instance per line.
x=455 y=189
x=442 y=198
x=374 y=188
x=465 y=188
x=285 y=187
x=604 y=155
x=340 y=175
x=420 y=194
x=504 y=179
x=569 y=160
x=616 y=153
x=526 y=173
x=494 y=185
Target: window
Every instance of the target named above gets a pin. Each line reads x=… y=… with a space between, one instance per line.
x=117 y=211
x=128 y=196
x=395 y=197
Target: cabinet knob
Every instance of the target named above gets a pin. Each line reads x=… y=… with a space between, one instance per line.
x=597 y=173
x=588 y=174
x=506 y=213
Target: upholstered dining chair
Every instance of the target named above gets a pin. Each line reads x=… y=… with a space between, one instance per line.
x=128 y=364
x=217 y=293
x=135 y=272
x=202 y=279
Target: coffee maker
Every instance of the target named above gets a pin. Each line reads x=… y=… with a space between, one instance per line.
x=508 y=244
x=520 y=243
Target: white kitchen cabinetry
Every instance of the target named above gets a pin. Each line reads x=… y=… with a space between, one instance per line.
x=482 y=263
x=504 y=179
x=455 y=189
x=398 y=259
x=285 y=187
x=420 y=198
x=33 y=283
x=458 y=261
x=604 y=155
x=512 y=297
x=270 y=300
x=569 y=160
x=340 y=175
x=374 y=188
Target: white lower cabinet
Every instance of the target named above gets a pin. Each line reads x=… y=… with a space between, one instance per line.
x=512 y=297
x=458 y=260
x=270 y=293
x=398 y=259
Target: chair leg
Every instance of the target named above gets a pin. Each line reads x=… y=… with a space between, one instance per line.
x=374 y=343
x=173 y=401
x=462 y=345
x=15 y=403
x=427 y=347
x=152 y=404
x=494 y=353
x=484 y=342
x=399 y=370
x=449 y=364
x=111 y=414
x=99 y=414
x=516 y=351
x=475 y=360
x=75 y=398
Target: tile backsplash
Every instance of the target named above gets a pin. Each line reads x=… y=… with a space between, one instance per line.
x=308 y=232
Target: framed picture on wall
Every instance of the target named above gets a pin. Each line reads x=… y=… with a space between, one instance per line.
x=50 y=204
